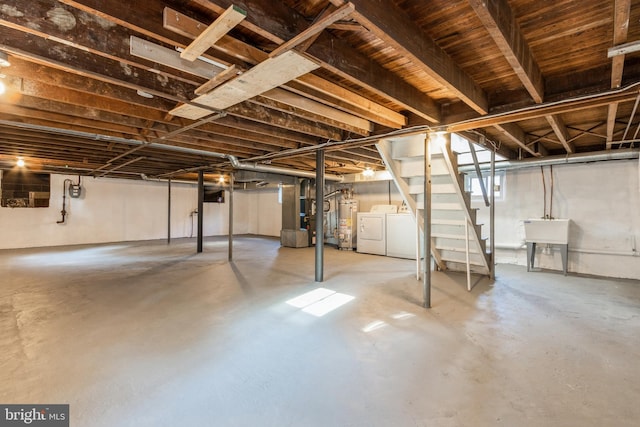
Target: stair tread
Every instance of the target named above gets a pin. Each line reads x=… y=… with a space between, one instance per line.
x=471 y=261
x=451 y=236
x=447 y=206
x=454 y=249
x=447 y=221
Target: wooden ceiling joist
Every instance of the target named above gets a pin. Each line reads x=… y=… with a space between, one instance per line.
x=330 y=51
x=497 y=17
x=217 y=80
x=499 y=20
x=621 y=12
x=560 y=129
x=336 y=95
x=314 y=29
x=214 y=32
x=514 y=71
x=298 y=103
x=396 y=29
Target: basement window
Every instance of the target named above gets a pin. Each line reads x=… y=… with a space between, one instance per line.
x=24 y=189
x=472 y=184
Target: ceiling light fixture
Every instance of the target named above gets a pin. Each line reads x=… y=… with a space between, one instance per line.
x=20 y=162
x=368 y=172
x=221 y=179
x=144 y=94
x=4 y=60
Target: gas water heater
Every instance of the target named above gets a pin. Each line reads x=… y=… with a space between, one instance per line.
x=347 y=224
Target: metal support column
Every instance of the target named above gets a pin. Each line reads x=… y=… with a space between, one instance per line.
x=200 y=209
x=426 y=275
x=169 y=211
x=319 y=216
x=492 y=214
x=231 y=216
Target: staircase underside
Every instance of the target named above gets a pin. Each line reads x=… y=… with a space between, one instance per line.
x=455 y=234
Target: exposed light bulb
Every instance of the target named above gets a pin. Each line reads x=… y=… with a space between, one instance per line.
x=20 y=162
x=221 y=179
x=368 y=172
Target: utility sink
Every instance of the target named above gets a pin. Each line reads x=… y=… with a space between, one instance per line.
x=553 y=231
x=547 y=231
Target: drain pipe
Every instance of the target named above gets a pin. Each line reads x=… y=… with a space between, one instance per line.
x=63 y=212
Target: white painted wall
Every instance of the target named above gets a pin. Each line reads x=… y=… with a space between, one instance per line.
x=602 y=200
x=375 y=193
x=112 y=210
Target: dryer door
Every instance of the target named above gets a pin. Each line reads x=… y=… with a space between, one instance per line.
x=371 y=233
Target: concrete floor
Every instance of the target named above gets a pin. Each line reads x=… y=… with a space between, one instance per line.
x=145 y=334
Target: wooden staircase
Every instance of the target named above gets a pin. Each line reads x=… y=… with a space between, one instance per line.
x=456 y=242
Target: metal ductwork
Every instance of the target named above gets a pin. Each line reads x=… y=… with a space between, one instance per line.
x=623 y=154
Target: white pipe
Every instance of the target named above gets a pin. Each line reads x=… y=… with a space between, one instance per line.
x=623 y=154
x=605 y=252
x=279 y=170
x=631 y=252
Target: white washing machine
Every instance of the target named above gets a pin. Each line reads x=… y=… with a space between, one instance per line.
x=372 y=229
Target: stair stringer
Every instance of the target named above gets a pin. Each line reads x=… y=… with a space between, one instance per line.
x=464 y=202
x=384 y=148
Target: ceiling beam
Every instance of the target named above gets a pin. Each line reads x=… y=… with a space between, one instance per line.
x=542 y=110
x=46 y=52
x=516 y=135
x=314 y=29
x=308 y=85
x=560 y=129
x=621 y=12
x=499 y=20
x=230 y=126
x=68 y=116
x=336 y=56
x=73 y=29
x=391 y=25
x=120 y=46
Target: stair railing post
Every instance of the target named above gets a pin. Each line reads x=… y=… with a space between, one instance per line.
x=466 y=248
x=426 y=277
x=418 y=244
x=492 y=215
